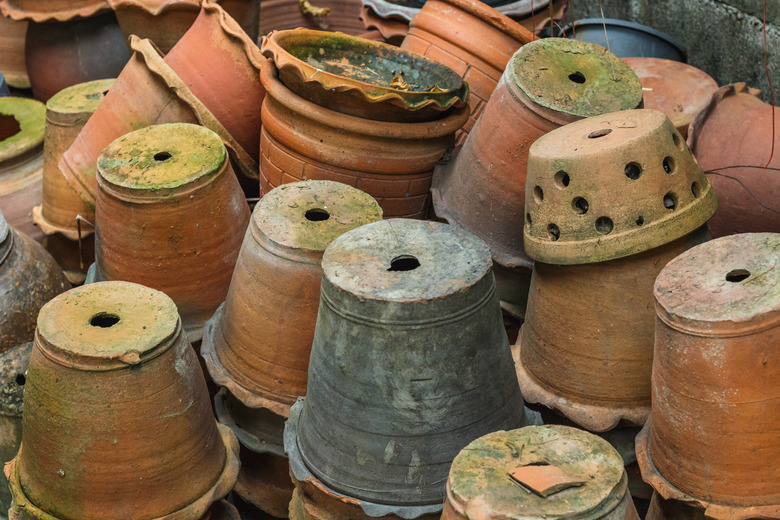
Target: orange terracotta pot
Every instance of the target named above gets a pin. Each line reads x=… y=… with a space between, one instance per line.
x=13 y=366
x=171 y=215
x=712 y=437
x=392 y=162
x=390 y=30
x=544 y=17
x=258 y=343
x=51 y=10
x=12 y=33
x=112 y=367
x=279 y=15
x=732 y=140
x=146 y=93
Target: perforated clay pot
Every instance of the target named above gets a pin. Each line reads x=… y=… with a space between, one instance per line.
x=13 y=366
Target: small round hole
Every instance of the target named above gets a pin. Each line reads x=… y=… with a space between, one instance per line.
x=577 y=77
x=538 y=194
x=670 y=201
x=553 y=232
x=599 y=133
x=104 y=320
x=633 y=171
x=604 y=225
x=669 y=165
x=738 y=275
x=317 y=215
x=580 y=205
x=640 y=220
x=404 y=263
x=562 y=179
x=696 y=189
x=21 y=379
x=162 y=156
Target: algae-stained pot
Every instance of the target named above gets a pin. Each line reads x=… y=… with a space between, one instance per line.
x=393 y=162
x=171 y=215
x=112 y=367
x=539 y=472
x=13 y=366
x=730 y=138
x=326 y=15
x=482 y=187
x=12 y=63
x=410 y=363
x=258 y=343
x=712 y=438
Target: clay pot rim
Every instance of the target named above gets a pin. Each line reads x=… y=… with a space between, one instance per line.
x=352 y=124
x=246 y=439
x=156 y=8
x=697 y=125
x=31 y=116
x=595 y=418
x=668 y=491
x=26 y=510
x=233 y=30
x=62 y=115
x=493 y=17
x=64 y=15
x=49 y=229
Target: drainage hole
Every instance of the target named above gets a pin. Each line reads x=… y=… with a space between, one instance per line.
x=604 y=225
x=599 y=133
x=9 y=127
x=317 y=215
x=562 y=179
x=104 y=320
x=577 y=77
x=633 y=171
x=538 y=194
x=738 y=275
x=696 y=189
x=553 y=232
x=404 y=263
x=640 y=220
x=162 y=156
x=670 y=201
x=669 y=165
x=21 y=379
x=580 y=205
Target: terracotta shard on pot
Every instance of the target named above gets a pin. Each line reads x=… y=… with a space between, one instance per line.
x=481 y=188
x=112 y=367
x=170 y=215
x=147 y=92
x=712 y=437
x=410 y=363
x=258 y=343
x=392 y=162
x=732 y=140
x=280 y=15
x=12 y=33
x=539 y=472
x=13 y=366
x=51 y=10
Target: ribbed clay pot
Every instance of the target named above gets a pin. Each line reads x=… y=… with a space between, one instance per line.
x=13 y=366
x=732 y=140
x=410 y=363
x=279 y=15
x=112 y=367
x=678 y=90
x=712 y=438
x=482 y=186
x=609 y=201
x=12 y=33
x=392 y=162
x=539 y=473
x=471 y=38
x=147 y=92
x=22 y=124
x=171 y=215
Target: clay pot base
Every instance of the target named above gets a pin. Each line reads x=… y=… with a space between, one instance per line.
x=264 y=482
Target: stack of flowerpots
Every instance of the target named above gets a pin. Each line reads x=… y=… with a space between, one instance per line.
x=360 y=112
x=710 y=448
x=111 y=366
x=257 y=345
x=13 y=365
x=409 y=364
x=325 y=15
x=548 y=83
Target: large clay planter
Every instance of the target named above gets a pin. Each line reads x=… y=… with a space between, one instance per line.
x=392 y=162
x=12 y=33
x=279 y=15
x=22 y=124
x=13 y=365
x=714 y=380
x=732 y=140
x=410 y=363
x=171 y=216
x=147 y=92
x=112 y=367
x=539 y=473
x=482 y=187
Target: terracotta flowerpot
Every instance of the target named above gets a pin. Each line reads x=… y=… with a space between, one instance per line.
x=539 y=472
x=21 y=161
x=258 y=343
x=392 y=162
x=678 y=90
x=410 y=363
x=732 y=140
x=171 y=216
x=51 y=10
x=482 y=187
x=29 y=277
x=13 y=366
x=111 y=366
x=12 y=33
x=146 y=93
x=280 y=15
x=712 y=438
x=471 y=38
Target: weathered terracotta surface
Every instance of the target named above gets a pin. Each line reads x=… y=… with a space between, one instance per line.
x=735 y=130
x=586 y=347
x=612 y=186
x=678 y=90
x=538 y=472
x=12 y=33
x=22 y=124
x=280 y=15
x=392 y=162
x=51 y=10
x=264 y=482
x=112 y=367
x=147 y=92
x=171 y=215
x=61 y=54
x=13 y=365
x=714 y=380
x=258 y=343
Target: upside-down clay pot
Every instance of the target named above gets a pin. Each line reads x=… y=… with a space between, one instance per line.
x=171 y=215
x=609 y=201
x=392 y=162
x=13 y=365
x=732 y=139
x=539 y=473
x=280 y=15
x=711 y=441
x=12 y=33
x=410 y=363
x=147 y=92
x=112 y=367
x=482 y=186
